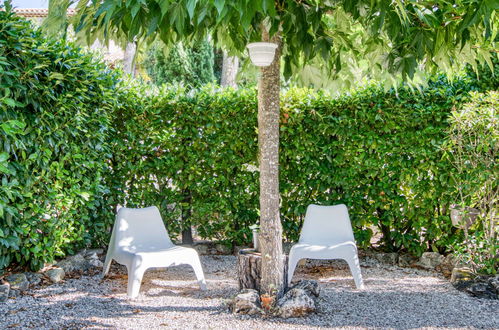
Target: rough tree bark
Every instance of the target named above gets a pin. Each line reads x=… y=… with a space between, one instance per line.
x=128 y=62
x=230 y=66
x=268 y=141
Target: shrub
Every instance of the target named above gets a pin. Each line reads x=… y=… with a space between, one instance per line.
x=473 y=149
x=55 y=121
x=191 y=66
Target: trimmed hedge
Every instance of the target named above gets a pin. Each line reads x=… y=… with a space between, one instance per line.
x=75 y=142
x=379 y=153
x=55 y=113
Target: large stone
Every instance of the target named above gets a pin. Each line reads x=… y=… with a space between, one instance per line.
x=430 y=260
x=463 y=274
x=55 y=274
x=90 y=252
x=18 y=282
x=76 y=263
x=4 y=291
x=494 y=283
x=223 y=249
x=95 y=261
x=311 y=287
x=33 y=278
x=407 y=260
x=246 y=302
x=482 y=289
x=295 y=303
x=390 y=258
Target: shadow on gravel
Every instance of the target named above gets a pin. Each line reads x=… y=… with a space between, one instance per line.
x=89 y=311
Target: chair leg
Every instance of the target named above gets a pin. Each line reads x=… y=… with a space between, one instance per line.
x=107 y=265
x=198 y=270
x=354 y=264
x=135 y=274
x=293 y=261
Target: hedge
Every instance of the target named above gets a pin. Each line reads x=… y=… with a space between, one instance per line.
x=195 y=155
x=55 y=113
x=75 y=142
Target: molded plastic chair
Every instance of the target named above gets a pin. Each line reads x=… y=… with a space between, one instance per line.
x=140 y=241
x=326 y=234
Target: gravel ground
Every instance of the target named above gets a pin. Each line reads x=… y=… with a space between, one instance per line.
x=394 y=298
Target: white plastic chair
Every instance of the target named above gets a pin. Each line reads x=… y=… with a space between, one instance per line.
x=326 y=234
x=140 y=241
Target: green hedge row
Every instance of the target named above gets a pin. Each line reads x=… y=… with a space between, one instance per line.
x=55 y=112
x=195 y=155
x=75 y=142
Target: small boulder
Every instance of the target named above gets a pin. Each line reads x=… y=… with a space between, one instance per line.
x=246 y=302
x=18 y=282
x=55 y=274
x=95 y=261
x=407 y=260
x=295 y=303
x=91 y=252
x=4 y=291
x=311 y=287
x=33 y=278
x=430 y=260
x=463 y=274
x=74 y=263
x=223 y=249
x=494 y=283
x=389 y=258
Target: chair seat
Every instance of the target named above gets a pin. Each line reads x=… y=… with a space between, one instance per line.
x=324 y=247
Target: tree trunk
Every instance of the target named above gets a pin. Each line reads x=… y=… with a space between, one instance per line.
x=272 y=280
x=249 y=268
x=128 y=58
x=230 y=66
x=186 y=218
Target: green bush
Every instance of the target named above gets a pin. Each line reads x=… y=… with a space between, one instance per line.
x=379 y=153
x=55 y=114
x=473 y=149
x=191 y=66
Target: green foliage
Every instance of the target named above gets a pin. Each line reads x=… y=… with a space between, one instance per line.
x=191 y=66
x=187 y=155
x=473 y=149
x=55 y=104
x=379 y=153
x=388 y=39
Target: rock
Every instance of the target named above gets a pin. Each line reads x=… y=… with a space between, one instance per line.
x=494 y=283
x=91 y=252
x=390 y=258
x=75 y=263
x=483 y=289
x=4 y=291
x=311 y=287
x=95 y=261
x=407 y=260
x=246 y=302
x=430 y=260
x=223 y=249
x=202 y=249
x=295 y=303
x=463 y=274
x=448 y=264
x=33 y=278
x=55 y=274
x=18 y=282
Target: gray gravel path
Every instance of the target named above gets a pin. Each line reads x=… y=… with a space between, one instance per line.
x=394 y=298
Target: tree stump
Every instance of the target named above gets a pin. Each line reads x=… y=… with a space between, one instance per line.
x=249 y=267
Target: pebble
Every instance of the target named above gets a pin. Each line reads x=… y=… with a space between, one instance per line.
x=394 y=297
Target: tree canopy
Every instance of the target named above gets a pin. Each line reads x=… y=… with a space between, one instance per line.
x=388 y=39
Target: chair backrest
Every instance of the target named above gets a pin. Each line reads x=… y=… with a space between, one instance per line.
x=140 y=228
x=326 y=225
